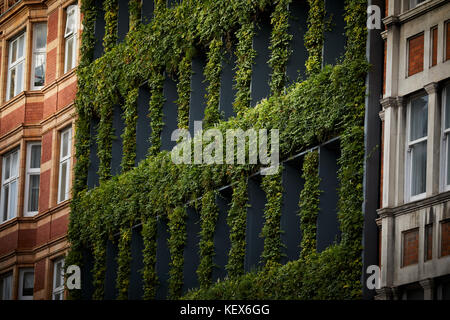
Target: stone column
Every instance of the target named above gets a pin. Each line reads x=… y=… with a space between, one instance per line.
x=434 y=139
x=428 y=289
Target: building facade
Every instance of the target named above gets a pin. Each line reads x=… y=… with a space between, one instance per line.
x=414 y=217
x=39 y=42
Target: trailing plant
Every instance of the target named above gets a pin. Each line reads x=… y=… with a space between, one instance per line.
x=271 y=231
x=129 y=135
x=149 y=275
x=123 y=263
x=279 y=45
x=237 y=221
x=157 y=100
x=135 y=8
x=176 y=243
x=184 y=91
x=212 y=72
x=309 y=203
x=111 y=8
x=314 y=36
x=208 y=217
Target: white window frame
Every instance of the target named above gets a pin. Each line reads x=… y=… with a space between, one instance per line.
x=9 y=181
x=15 y=65
x=60 y=289
x=445 y=134
x=37 y=52
x=30 y=172
x=408 y=165
x=21 y=278
x=414 y=3
x=65 y=159
x=2 y=287
x=71 y=35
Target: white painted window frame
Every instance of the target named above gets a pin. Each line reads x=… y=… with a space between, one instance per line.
x=65 y=159
x=21 y=279
x=2 y=287
x=15 y=65
x=37 y=52
x=71 y=35
x=59 y=289
x=9 y=181
x=30 y=172
x=445 y=134
x=408 y=165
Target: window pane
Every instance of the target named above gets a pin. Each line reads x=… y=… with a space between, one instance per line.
x=69 y=53
x=448 y=159
x=65 y=144
x=35 y=161
x=7 y=167
x=419 y=167
x=5 y=202
x=419 y=118
x=33 y=193
x=19 y=87
x=28 y=284
x=13 y=51
x=15 y=164
x=39 y=70
x=21 y=44
x=70 y=21
x=59 y=275
x=13 y=200
x=6 y=289
x=40 y=36
x=12 y=82
x=447 y=107
x=62 y=190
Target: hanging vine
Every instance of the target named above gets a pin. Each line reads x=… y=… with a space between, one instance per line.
x=184 y=91
x=156 y=83
x=176 y=243
x=111 y=8
x=129 y=134
x=212 y=72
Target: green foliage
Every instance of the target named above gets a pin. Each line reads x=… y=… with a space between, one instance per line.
x=314 y=36
x=279 y=45
x=329 y=103
x=208 y=217
x=271 y=231
x=111 y=8
x=176 y=243
x=212 y=72
x=237 y=221
x=123 y=262
x=309 y=203
x=135 y=8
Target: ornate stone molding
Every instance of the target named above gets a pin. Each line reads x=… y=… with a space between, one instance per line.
x=431 y=88
x=389 y=102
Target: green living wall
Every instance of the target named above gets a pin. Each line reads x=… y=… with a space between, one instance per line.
x=329 y=103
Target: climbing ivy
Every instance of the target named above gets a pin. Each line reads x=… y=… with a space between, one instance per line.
x=176 y=243
x=157 y=100
x=213 y=71
x=129 y=134
x=111 y=8
x=314 y=36
x=123 y=262
x=184 y=91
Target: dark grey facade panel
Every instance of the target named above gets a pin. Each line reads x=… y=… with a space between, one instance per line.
x=136 y=290
x=162 y=259
x=298 y=16
x=227 y=90
x=123 y=20
x=147 y=10
x=372 y=127
x=261 y=70
x=254 y=243
x=334 y=42
x=87 y=286
x=143 y=128
x=99 y=29
x=111 y=270
x=170 y=114
x=222 y=235
x=198 y=92
x=327 y=221
x=290 y=221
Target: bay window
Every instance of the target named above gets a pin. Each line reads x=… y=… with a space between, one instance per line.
x=39 y=56
x=445 y=177
x=33 y=170
x=64 y=164
x=58 y=280
x=26 y=284
x=16 y=66
x=417 y=130
x=70 y=38
x=10 y=182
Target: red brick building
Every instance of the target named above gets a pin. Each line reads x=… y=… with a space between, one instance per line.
x=38 y=54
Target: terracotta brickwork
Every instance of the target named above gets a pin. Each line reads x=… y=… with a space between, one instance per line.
x=35 y=240
x=415 y=54
x=410 y=247
x=445 y=238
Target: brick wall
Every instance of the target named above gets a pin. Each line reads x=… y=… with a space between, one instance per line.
x=445 y=241
x=434 y=43
x=410 y=247
x=415 y=57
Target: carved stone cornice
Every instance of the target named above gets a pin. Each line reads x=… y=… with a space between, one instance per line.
x=431 y=88
x=389 y=102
